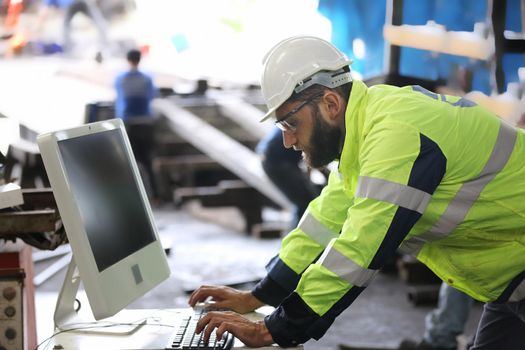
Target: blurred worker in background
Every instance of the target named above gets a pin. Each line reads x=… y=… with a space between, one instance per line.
x=437 y=176
x=70 y=8
x=445 y=323
x=134 y=92
x=283 y=167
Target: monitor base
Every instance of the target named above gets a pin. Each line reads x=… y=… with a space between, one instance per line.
x=68 y=318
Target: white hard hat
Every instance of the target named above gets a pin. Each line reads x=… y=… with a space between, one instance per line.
x=289 y=64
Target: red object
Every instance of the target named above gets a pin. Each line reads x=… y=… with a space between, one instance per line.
x=10 y=260
x=21 y=262
x=14 y=9
x=144 y=50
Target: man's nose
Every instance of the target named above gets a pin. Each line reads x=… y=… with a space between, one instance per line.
x=289 y=139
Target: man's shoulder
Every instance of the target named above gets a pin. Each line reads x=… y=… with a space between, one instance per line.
x=121 y=75
x=381 y=97
x=139 y=74
x=382 y=90
x=132 y=74
x=146 y=75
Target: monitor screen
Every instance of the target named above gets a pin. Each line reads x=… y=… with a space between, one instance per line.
x=107 y=195
x=106 y=215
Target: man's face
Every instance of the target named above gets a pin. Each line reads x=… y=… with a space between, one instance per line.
x=323 y=145
x=312 y=134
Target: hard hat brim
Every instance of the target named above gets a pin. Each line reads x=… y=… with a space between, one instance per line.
x=268 y=115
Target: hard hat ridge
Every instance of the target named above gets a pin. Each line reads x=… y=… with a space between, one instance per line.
x=330 y=79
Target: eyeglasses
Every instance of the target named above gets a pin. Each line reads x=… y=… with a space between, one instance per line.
x=287 y=126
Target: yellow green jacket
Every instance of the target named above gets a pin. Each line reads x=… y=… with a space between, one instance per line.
x=433 y=175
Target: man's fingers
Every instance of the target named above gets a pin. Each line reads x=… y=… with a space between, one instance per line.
x=202 y=294
x=244 y=330
x=213 y=319
x=250 y=333
x=196 y=296
x=225 y=327
x=210 y=327
x=202 y=323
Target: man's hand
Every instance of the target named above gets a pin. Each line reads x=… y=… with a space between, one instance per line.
x=226 y=297
x=252 y=334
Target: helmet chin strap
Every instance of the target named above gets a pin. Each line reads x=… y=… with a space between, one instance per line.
x=330 y=79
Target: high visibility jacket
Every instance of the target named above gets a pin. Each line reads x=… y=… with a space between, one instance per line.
x=435 y=175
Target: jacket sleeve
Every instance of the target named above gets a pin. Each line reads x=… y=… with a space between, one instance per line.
x=302 y=246
x=399 y=171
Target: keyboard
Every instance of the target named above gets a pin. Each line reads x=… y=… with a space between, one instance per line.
x=185 y=338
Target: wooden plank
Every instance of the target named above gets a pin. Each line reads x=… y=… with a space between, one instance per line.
x=33 y=221
x=38 y=198
x=235 y=157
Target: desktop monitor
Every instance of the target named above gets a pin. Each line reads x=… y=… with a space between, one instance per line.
x=107 y=218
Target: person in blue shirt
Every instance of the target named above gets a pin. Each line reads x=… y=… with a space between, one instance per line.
x=135 y=90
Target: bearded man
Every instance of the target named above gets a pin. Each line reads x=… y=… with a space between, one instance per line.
x=436 y=176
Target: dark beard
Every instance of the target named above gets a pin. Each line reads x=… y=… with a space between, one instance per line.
x=324 y=143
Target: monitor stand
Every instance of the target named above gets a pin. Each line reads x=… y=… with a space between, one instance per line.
x=67 y=318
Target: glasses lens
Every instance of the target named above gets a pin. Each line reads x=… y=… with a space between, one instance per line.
x=285 y=126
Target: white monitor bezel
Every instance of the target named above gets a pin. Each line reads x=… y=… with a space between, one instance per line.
x=114 y=288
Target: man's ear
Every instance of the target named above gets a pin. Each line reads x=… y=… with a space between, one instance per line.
x=333 y=104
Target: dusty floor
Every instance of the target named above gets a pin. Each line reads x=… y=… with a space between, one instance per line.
x=203 y=252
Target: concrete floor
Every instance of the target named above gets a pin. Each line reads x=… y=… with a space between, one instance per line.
x=204 y=252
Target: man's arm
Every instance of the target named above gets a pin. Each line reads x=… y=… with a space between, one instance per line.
x=400 y=170
x=302 y=246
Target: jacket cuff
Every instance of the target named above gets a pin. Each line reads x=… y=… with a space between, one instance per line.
x=282 y=274
x=289 y=323
x=269 y=292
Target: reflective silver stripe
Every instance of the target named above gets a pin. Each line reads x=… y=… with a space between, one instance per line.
x=316 y=230
x=519 y=292
x=392 y=192
x=468 y=193
x=346 y=268
x=462 y=102
x=425 y=91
